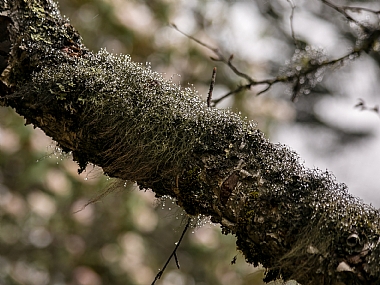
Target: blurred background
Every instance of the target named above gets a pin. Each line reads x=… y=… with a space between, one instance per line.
x=127 y=236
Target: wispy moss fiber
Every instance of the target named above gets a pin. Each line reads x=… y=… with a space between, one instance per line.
x=138 y=126
x=123 y=107
x=126 y=118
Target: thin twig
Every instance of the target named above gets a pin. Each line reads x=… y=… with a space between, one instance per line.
x=293 y=6
x=264 y=90
x=219 y=57
x=366 y=46
x=211 y=87
x=176 y=261
x=363 y=107
x=342 y=10
x=228 y=62
x=237 y=90
x=174 y=253
x=237 y=72
x=215 y=50
x=356 y=9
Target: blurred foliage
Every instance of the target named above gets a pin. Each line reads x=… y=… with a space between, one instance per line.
x=127 y=236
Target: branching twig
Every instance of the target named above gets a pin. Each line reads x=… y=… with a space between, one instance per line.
x=174 y=253
x=372 y=34
x=220 y=57
x=295 y=78
x=342 y=10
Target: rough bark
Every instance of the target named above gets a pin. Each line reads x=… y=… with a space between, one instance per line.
x=107 y=110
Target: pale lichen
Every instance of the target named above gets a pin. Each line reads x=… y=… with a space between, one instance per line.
x=126 y=118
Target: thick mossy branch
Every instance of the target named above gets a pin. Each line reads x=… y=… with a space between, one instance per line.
x=126 y=118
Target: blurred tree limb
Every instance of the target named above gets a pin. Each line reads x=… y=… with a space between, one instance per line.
x=298 y=223
x=308 y=65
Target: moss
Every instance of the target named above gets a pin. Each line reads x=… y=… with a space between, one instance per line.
x=126 y=118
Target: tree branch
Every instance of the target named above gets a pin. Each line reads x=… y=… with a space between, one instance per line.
x=122 y=116
x=308 y=65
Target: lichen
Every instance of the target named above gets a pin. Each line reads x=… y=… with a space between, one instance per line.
x=120 y=115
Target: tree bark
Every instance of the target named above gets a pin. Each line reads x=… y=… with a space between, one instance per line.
x=120 y=115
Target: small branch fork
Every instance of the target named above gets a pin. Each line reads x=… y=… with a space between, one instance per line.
x=221 y=58
x=174 y=253
x=366 y=46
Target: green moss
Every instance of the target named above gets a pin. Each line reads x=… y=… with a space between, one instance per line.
x=136 y=125
x=126 y=118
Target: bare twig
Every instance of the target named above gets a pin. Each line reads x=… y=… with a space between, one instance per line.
x=295 y=77
x=363 y=107
x=237 y=90
x=174 y=253
x=342 y=10
x=211 y=87
x=221 y=58
x=240 y=88
x=215 y=50
x=293 y=6
x=371 y=33
x=176 y=261
x=356 y=9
